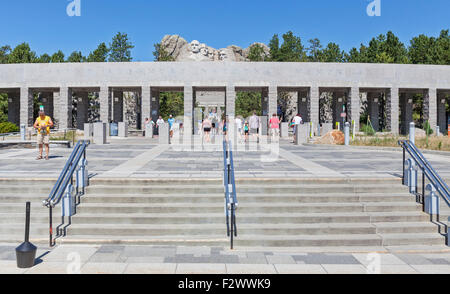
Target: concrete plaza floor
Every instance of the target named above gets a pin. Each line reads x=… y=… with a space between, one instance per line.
x=144 y=158
x=133 y=259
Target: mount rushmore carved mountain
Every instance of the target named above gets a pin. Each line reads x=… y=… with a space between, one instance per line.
x=180 y=50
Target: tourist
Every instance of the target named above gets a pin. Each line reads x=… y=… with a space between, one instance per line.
x=214 y=121
x=297 y=120
x=238 y=122
x=225 y=125
x=246 y=131
x=146 y=123
x=274 y=124
x=206 y=127
x=159 y=122
x=254 y=125
x=171 y=122
x=43 y=124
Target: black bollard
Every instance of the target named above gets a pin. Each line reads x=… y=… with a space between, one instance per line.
x=26 y=252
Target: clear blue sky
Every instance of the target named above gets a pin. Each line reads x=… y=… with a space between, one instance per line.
x=45 y=25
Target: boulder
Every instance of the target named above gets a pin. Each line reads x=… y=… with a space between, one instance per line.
x=334 y=137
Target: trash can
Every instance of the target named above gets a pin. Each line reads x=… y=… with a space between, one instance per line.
x=26 y=252
x=114 y=129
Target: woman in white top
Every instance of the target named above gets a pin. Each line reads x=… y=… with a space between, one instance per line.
x=159 y=122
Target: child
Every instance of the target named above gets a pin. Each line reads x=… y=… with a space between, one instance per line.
x=246 y=131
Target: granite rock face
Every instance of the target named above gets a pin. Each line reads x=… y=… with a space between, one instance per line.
x=181 y=50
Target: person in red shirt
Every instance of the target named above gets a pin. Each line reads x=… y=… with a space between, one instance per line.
x=274 y=124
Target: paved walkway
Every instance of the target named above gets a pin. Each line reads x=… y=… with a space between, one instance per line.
x=140 y=157
x=117 y=259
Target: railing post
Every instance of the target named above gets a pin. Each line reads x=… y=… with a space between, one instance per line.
x=23 y=129
x=404 y=157
x=347 y=133
x=67 y=207
x=411 y=176
x=423 y=190
x=448 y=232
x=431 y=201
x=412 y=133
x=50 y=224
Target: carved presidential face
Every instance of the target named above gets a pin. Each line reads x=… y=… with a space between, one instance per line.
x=204 y=49
x=195 y=46
x=223 y=55
x=211 y=55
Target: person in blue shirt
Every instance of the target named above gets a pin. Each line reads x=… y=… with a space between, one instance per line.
x=171 y=121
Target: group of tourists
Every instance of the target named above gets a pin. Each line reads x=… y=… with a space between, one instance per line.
x=159 y=122
x=212 y=126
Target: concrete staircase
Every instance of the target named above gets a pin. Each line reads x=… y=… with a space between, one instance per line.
x=272 y=213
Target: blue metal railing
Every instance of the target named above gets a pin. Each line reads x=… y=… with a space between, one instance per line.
x=231 y=202
x=63 y=190
x=428 y=172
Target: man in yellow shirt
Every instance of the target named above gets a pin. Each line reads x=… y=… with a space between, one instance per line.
x=43 y=124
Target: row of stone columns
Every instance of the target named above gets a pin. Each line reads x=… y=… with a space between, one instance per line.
x=111 y=104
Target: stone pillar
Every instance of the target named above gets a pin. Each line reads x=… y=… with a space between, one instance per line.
x=301 y=137
x=313 y=105
x=82 y=109
x=264 y=122
x=374 y=109
x=230 y=101
x=441 y=113
x=303 y=105
x=117 y=106
x=284 y=130
x=64 y=107
x=46 y=99
x=392 y=109
x=14 y=108
x=338 y=107
x=26 y=106
x=264 y=101
x=149 y=130
x=154 y=104
x=146 y=105
x=88 y=131
x=104 y=104
x=273 y=100
x=164 y=136
x=188 y=110
x=406 y=105
x=123 y=129
x=100 y=133
x=430 y=107
x=354 y=107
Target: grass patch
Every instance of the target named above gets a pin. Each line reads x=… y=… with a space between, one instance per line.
x=427 y=143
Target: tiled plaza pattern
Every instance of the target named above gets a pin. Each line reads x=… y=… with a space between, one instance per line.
x=118 y=259
x=143 y=158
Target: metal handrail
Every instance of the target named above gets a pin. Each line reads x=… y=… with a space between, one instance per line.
x=231 y=202
x=427 y=170
x=64 y=184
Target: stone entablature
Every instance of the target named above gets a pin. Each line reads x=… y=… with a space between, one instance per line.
x=345 y=79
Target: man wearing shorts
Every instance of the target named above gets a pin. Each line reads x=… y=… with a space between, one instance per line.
x=43 y=124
